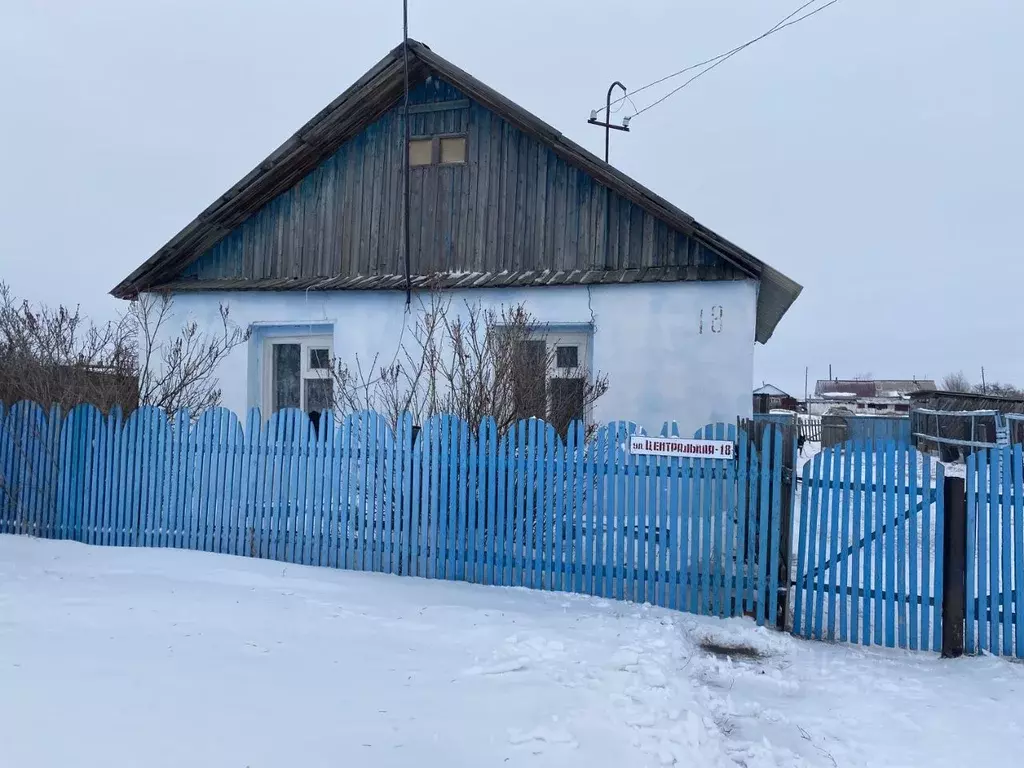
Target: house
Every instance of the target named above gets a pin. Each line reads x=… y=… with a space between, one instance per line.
x=307 y=251
x=769 y=397
x=865 y=397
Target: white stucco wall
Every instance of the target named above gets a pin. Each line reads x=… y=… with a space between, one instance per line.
x=663 y=361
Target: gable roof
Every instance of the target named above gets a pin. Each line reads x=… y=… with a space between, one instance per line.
x=366 y=100
x=771 y=390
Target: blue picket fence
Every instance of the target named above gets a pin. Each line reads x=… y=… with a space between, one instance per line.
x=521 y=508
x=995 y=551
x=869 y=547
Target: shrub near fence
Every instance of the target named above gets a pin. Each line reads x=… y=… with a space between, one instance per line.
x=521 y=508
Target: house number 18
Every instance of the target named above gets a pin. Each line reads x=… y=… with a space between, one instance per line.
x=714 y=319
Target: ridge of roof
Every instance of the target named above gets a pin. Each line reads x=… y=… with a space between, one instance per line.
x=365 y=101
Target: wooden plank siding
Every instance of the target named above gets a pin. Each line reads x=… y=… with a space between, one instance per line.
x=514 y=206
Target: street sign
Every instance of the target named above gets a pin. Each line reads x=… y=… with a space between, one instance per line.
x=681 y=447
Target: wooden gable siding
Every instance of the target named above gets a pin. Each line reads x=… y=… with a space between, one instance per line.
x=514 y=206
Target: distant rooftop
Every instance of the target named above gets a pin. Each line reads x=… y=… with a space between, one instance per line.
x=771 y=390
x=871 y=387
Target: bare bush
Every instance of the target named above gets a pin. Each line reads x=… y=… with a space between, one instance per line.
x=475 y=363
x=178 y=370
x=55 y=355
x=956 y=382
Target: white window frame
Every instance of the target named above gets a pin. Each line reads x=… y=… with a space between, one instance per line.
x=582 y=338
x=555 y=339
x=579 y=339
x=306 y=343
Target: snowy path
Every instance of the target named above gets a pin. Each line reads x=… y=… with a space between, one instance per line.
x=127 y=657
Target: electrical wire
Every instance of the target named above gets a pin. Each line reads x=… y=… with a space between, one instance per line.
x=730 y=52
x=633 y=104
x=714 y=61
x=733 y=53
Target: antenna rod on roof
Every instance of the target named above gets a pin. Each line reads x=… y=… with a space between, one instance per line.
x=607 y=124
x=405 y=154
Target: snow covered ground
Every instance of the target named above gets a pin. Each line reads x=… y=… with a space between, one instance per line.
x=131 y=657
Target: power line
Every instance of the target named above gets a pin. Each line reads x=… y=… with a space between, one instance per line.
x=714 y=61
x=737 y=49
x=632 y=103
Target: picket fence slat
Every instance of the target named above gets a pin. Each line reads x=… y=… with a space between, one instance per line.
x=982 y=548
x=1006 y=556
x=913 y=544
x=1017 y=464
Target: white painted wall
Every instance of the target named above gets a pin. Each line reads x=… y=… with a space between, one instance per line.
x=664 y=362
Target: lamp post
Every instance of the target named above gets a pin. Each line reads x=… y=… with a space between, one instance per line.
x=607 y=124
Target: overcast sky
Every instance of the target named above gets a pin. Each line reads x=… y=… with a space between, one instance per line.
x=873 y=153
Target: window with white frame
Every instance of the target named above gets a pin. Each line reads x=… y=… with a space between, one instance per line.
x=550 y=379
x=297 y=373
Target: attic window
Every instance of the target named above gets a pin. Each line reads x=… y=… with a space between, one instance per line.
x=421 y=152
x=437 y=150
x=453 y=150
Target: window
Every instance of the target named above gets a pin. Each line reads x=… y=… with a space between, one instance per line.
x=297 y=374
x=453 y=150
x=429 y=150
x=567 y=356
x=421 y=152
x=549 y=380
x=319 y=358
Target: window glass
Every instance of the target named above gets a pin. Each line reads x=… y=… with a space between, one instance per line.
x=453 y=150
x=319 y=358
x=567 y=357
x=287 y=375
x=529 y=374
x=421 y=152
x=566 y=402
x=319 y=394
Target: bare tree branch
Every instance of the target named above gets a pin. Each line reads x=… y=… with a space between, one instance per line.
x=55 y=355
x=473 y=364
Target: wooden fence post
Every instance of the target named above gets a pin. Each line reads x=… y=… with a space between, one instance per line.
x=954 y=561
x=791 y=433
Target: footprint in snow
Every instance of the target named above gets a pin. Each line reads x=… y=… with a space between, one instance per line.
x=539 y=739
x=503 y=667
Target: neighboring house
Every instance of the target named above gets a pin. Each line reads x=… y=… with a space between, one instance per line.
x=769 y=397
x=307 y=250
x=865 y=397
